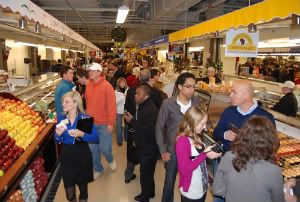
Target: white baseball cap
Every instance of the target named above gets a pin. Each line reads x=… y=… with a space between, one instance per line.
x=96 y=66
x=287 y=84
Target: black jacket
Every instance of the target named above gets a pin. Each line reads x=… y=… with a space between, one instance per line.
x=155 y=96
x=287 y=105
x=143 y=123
x=119 y=73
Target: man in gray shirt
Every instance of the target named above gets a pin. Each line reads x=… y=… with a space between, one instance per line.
x=169 y=117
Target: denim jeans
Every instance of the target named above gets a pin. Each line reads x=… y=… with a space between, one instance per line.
x=170 y=178
x=119 y=129
x=104 y=147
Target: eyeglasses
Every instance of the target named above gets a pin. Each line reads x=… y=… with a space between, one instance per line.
x=189 y=86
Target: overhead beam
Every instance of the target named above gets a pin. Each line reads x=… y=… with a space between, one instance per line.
x=47 y=8
x=75 y=11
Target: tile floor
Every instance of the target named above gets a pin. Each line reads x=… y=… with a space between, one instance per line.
x=110 y=187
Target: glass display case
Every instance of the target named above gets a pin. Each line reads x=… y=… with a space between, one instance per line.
x=38 y=93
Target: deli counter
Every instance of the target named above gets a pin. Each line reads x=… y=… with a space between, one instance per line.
x=288 y=128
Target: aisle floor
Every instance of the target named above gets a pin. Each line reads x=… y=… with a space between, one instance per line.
x=110 y=187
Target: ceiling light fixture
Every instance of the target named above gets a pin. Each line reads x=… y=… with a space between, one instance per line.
x=22 y=23
x=252 y=28
x=122 y=14
x=295 y=19
x=26 y=44
x=37 y=28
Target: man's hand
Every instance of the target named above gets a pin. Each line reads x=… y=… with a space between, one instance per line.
x=128 y=117
x=229 y=135
x=110 y=129
x=166 y=156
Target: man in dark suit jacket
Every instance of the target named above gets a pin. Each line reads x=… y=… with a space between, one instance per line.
x=143 y=122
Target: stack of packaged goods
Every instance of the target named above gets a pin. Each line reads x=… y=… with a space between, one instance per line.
x=16 y=196
x=288 y=156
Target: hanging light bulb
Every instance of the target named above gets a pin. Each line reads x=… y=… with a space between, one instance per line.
x=217 y=34
x=37 y=28
x=22 y=23
x=252 y=28
x=295 y=19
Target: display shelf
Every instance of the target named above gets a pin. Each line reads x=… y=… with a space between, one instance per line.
x=37 y=85
x=11 y=178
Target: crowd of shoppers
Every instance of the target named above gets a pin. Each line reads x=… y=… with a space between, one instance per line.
x=124 y=95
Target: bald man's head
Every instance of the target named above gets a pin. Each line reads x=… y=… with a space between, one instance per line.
x=242 y=92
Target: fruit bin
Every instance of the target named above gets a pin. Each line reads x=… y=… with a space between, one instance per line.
x=40 y=146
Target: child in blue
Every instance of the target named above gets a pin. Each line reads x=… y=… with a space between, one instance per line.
x=76 y=157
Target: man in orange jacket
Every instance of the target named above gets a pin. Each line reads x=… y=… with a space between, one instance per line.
x=101 y=104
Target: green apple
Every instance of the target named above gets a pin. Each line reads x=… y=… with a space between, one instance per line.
x=1 y=173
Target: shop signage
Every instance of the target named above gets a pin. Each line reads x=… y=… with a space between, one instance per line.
x=279 y=50
x=176 y=49
x=160 y=40
x=241 y=43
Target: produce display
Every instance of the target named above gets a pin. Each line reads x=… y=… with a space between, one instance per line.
x=16 y=197
x=19 y=126
x=27 y=187
x=288 y=156
x=39 y=175
x=34 y=182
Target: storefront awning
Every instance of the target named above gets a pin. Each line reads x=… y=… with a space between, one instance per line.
x=32 y=12
x=258 y=13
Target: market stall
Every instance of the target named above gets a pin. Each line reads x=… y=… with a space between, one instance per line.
x=249 y=32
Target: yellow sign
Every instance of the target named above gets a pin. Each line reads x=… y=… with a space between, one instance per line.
x=240 y=43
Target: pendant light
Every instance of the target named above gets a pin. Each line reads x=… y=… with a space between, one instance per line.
x=37 y=28
x=295 y=19
x=252 y=28
x=22 y=23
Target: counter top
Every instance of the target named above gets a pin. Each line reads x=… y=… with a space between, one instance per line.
x=219 y=102
x=294 y=122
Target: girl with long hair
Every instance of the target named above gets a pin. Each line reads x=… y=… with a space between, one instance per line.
x=248 y=172
x=191 y=155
